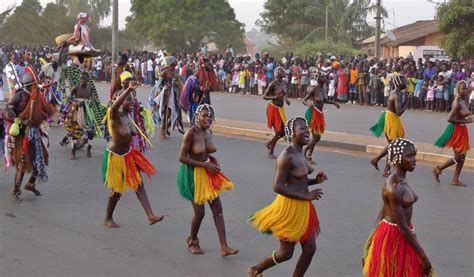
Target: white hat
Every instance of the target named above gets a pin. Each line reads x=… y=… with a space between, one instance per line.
x=82 y=15
x=333 y=58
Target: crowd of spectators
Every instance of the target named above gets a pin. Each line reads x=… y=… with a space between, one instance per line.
x=353 y=80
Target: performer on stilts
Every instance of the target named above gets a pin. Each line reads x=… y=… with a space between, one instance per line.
x=456 y=134
x=276 y=114
x=314 y=114
x=200 y=179
x=291 y=217
x=122 y=164
x=389 y=122
x=27 y=141
x=393 y=248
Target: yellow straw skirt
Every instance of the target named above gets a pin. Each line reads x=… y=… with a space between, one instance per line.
x=122 y=172
x=199 y=185
x=287 y=219
x=390 y=124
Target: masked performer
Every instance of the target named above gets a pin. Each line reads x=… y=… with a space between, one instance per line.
x=389 y=122
x=291 y=218
x=314 y=114
x=122 y=164
x=165 y=105
x=27 y=142
x=276 y=114
x=456 y=134
x=393 y=248
x=200 y=179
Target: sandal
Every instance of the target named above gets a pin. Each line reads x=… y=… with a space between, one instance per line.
x=193 y=246
x=436 y=172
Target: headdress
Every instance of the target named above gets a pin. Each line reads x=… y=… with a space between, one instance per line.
x=395 y=150
x=290 y=126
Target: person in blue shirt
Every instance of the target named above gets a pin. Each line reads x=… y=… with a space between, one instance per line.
x=419 y=97
x=430 y=71
x=270 y=68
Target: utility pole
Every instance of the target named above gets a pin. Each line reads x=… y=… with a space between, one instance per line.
x=326 y=29
x=115 y=45
x=377 y=30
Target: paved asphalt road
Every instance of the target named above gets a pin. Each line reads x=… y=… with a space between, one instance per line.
x=61 y=232
x=419 y=126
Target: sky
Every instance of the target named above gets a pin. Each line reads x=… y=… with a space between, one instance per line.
x=401 y=12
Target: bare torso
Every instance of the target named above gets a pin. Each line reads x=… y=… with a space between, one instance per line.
x=408 y=196
x=300 y=169
x=202 y=145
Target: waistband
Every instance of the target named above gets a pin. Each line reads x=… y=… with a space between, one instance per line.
x=124 y=154
x=412 y=229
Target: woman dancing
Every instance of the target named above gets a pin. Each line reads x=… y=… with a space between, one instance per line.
x=200 y=179
x=291 y=218
x=456 y=134
x=389 y=122
x=393 y=249
x=122 y=164
x=276 y=114
x=314 y=114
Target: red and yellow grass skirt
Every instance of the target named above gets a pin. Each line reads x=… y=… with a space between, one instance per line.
x=276 y=117
x=455 y=136
x=287 y=219
x=120 y=172
x=387 y=253
x=199 y=185
x=315 y=119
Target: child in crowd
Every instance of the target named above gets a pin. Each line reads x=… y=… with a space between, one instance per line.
x=411 y=81
x=242 y=79
x=430 y=96
x=439 y=88
x=418 y=97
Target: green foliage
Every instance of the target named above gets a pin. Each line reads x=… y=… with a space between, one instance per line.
x=304 y=20
x=96 y=9
x=310 y=49
x=183 y=24
x=456 y=21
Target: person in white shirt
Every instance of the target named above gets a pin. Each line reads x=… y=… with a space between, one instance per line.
x=149 y=70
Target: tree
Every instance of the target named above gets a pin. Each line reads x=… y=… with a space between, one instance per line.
x=456 y=21
x=185 y=24
x=304 y=20
x=96 y=9
x=23 y=25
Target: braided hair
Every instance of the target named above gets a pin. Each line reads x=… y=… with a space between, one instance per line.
x=395 y=150
x=290 y=126
x=456 y=88
x=201 y=108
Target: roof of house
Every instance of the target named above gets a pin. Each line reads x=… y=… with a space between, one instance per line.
x=418 y=29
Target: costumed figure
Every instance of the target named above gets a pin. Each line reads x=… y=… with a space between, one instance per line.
x=276 y=114
x=79 y=122
x=80 y=46
x=197 y=88
x=116 y=84
x=27 y=141
x=200 y=179
x=456 y=134
x=389 y=122
x=50 y=75
x=122 y=165
x=165 y=106
x=291 y=217
x=97 y=110
x=393 y=248
x=314 y=114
